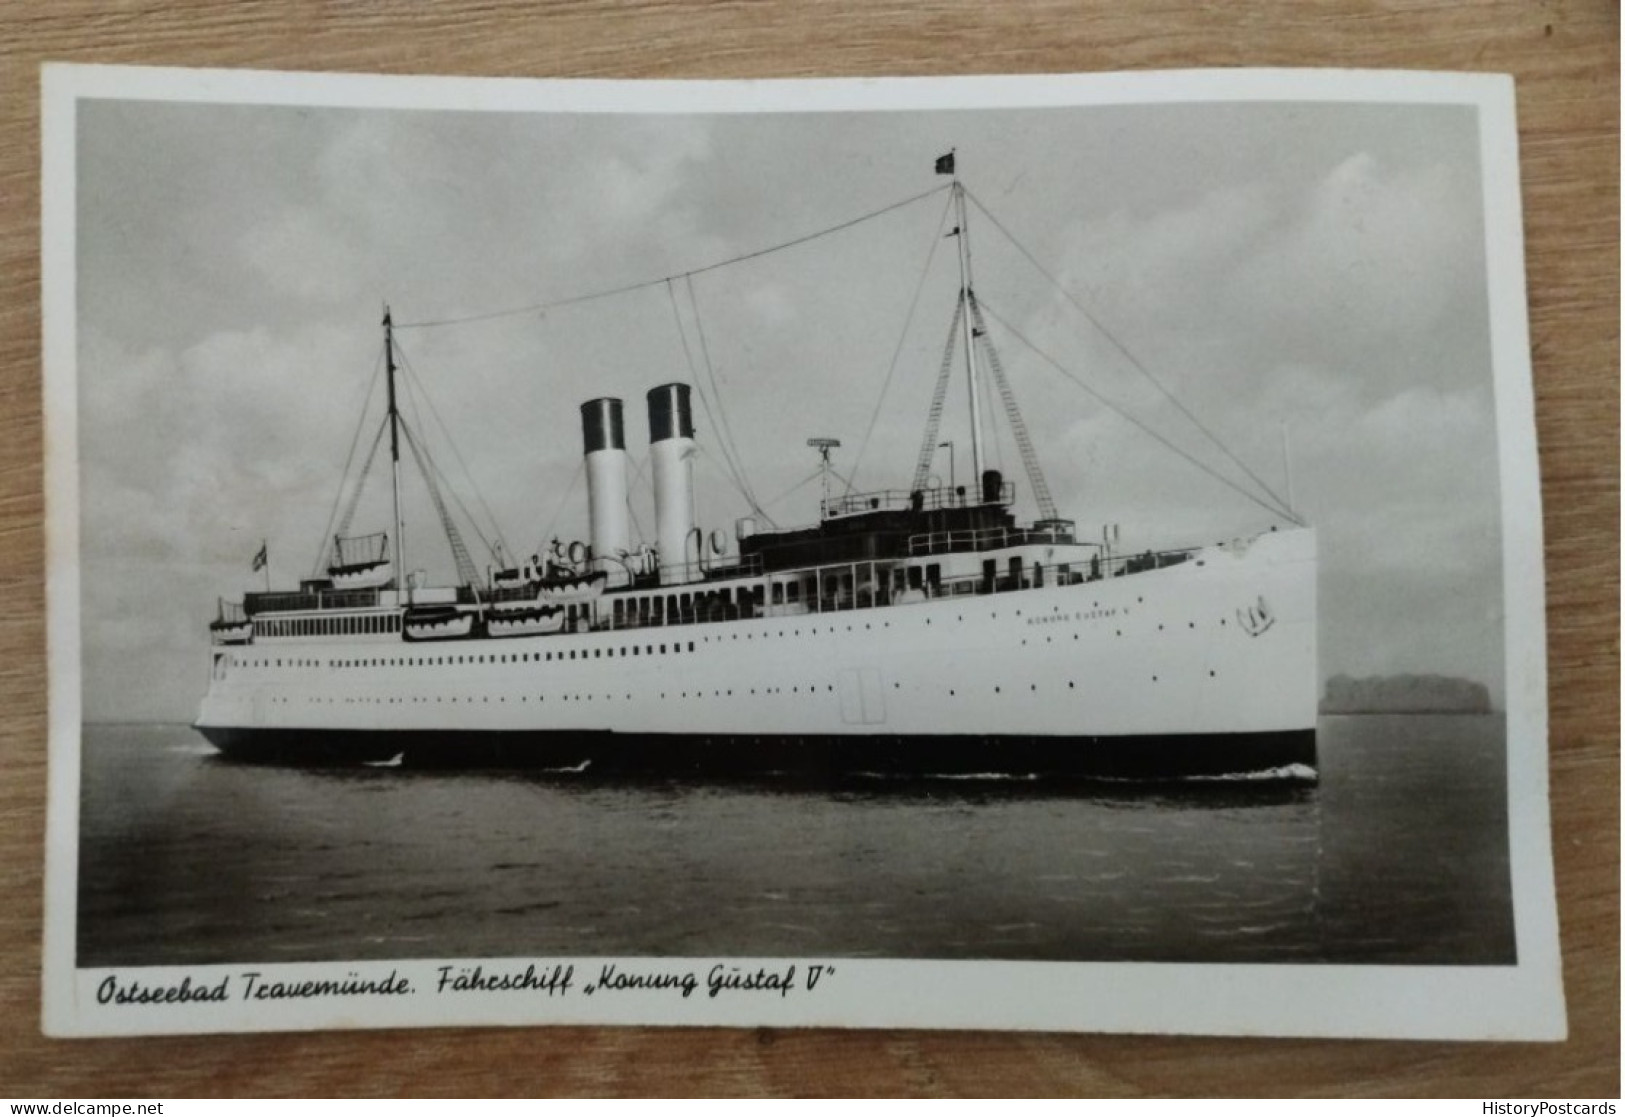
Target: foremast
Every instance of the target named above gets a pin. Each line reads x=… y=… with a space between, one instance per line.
x=398 y=551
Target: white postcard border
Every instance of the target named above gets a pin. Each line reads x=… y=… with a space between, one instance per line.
x=1524 y=1001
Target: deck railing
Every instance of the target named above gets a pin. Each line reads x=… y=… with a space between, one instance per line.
x=901 y=500
x=986 y=539
x=812 y=590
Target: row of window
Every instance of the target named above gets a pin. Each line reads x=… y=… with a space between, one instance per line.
x=364 y=700
x=672 y=648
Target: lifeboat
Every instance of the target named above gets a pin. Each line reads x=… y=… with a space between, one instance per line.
x=448 y=623
x=574 y=589
x=231 y=632
x=361 y=575
x=526 y=622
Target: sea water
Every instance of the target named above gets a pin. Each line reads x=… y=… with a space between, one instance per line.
x=1397 y=855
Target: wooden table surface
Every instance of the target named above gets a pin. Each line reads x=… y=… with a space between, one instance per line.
x=1565 y=56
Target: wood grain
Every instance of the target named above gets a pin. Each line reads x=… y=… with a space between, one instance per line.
x=1565 y=55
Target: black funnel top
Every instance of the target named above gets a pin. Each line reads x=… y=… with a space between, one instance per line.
x=669 y=414
x=601 y=425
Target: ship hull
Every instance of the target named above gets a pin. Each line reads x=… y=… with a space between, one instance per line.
x=816 y=758
x=1202 y=669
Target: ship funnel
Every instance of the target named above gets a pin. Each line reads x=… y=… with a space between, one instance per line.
x=671 y=449
x=603 y=435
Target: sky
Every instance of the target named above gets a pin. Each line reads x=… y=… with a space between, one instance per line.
x=1307 y=280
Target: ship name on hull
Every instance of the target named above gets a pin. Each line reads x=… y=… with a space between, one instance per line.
x=1079 y=615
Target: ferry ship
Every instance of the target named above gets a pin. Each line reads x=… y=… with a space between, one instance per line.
x=919 y=632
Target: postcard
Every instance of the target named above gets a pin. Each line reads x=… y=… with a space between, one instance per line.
x=1050 y=553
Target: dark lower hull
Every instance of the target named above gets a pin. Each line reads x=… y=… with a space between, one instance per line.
x=807 y=758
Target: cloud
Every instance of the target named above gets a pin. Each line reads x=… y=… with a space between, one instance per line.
x=301 y=254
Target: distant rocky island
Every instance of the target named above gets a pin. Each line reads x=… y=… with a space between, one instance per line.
x=1405 y=694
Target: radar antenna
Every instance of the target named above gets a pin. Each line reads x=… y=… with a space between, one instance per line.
x=824 y=446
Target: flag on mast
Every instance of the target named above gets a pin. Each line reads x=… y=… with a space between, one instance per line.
x=945 y=164
x=262 y=557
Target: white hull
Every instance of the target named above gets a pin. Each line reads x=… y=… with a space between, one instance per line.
x=1222 y=644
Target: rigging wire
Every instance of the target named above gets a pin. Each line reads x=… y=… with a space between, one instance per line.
x=417 y=383
x=798 y=486
x=1123 y=349
x=902 y=338
x=710 y=459
x=939 y=397
x=467 y=572
x=539 y=308
x=349 y=459
x=342 y=528
x=1012 y=414
x=716 y=390
x=637 y=476
x=547 y=532
x=1203 y=466
x=430 y=469
x=693 y=372
x=427 y=465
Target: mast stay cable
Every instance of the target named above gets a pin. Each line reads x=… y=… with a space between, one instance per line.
x=716 y=390
x=547 y=535
x=342 y=528
x=798 y=486
x=1198 y=463
x=573 y=300
x=694 y=374
x=349 y=459
x=416 y=382
x=467 y=572
x=933 y=418
x=902 y=338
x=1124 y=350
x=434 y=476
x=1024 y=442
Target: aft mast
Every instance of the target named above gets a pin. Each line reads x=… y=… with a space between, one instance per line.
x=394 y=453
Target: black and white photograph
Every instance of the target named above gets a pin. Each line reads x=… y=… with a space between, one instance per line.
x=1044 y=553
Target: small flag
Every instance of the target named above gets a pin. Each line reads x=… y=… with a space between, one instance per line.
x=261 y=558
x=945 y=164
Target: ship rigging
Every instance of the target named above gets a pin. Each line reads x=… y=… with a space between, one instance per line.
x=969 y=340
x=368 y=638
